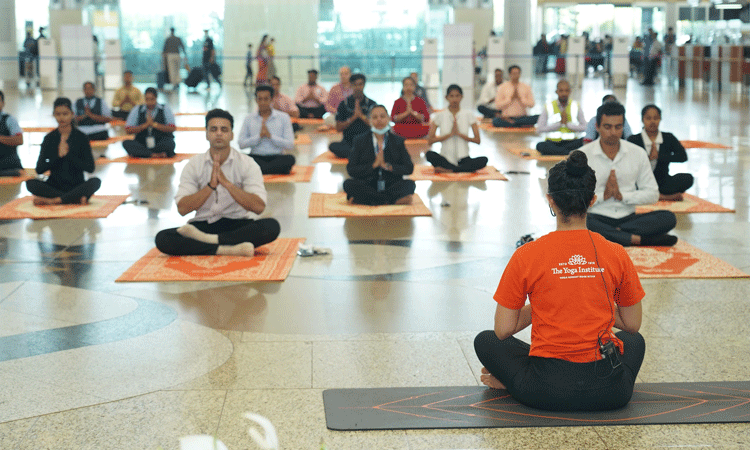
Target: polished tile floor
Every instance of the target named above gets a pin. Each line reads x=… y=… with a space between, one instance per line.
x=87 y=363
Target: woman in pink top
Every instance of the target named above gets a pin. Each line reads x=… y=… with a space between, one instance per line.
x=410 y=113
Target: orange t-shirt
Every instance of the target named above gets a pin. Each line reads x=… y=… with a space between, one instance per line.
x=571 y=279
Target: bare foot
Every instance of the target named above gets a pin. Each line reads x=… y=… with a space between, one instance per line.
x=242 y=249
x=490 y=381
x=442 y=170
x=47 y=201
x=190 y=231
x=84 y=201
x=407 y=200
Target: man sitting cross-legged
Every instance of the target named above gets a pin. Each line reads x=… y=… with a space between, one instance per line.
x=225 y=189
x=268 y=132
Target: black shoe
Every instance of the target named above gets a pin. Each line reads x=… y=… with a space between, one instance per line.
x=524 y=239
x=662 y=240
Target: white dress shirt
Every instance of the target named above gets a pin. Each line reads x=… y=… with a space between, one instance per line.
x=648 y=143
x=634 y=177
x=241 y=170
x=279 y=125
x=454 y=148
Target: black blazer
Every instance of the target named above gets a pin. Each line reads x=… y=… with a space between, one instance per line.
x=363 y=155
x=669 y=151
x=66 y=172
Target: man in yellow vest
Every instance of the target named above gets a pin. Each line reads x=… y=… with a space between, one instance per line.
x=561 y=119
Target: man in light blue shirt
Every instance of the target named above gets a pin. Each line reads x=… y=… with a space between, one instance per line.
x=268 y=132
x=592 y=134
x=92 y=114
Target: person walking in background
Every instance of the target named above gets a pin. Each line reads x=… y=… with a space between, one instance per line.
x=262 y=57
x=210 y=68
x=173 y=46
x=249 y=66
x=271 y=49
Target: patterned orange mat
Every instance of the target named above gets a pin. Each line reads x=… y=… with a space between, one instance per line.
x=37 y=129
x=335 y=205
x=272 y=262
x=99 y=206
x=302 y=139
x=532 y=153
x=689 y=204
x=329 y=157
x=703 y=144
x=30 y=173
x=190 y=113
x=489 y=127
x=428 y=173
x=681 y=261
x=307 y=121
x=190 y=128
x=300 y=174
x=152 y=161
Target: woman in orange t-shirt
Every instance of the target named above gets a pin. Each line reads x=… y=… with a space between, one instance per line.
x=579 y=285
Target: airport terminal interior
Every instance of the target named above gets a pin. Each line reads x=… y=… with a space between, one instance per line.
x=90 y=363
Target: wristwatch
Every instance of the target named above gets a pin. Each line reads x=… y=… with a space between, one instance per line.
x=209 y=185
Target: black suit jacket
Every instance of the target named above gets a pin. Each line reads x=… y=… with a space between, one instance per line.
x=669 y=151
x=363 y=155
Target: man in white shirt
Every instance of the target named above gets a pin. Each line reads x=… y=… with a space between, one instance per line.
x=267 y=133
x=311 y=97
x=623 y=180
x=487 y=96
x=225 y=189
x=561 y=119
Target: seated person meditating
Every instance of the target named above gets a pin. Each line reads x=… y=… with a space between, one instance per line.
x=624 y=180
x=283 y=102
x=92 y=114
x=11 y=136
x=127 y=97
x=377 y=165
x=66 y=153
x=225 y=189
x=561 y=119
x=153 y=126
x=267 y=133
x=410 y=113
x=514 y=98
x=487 y=96
x=662 y=148
x=311 y=97
x=351 y=116
x=455 y=124
x=579 y=286
x=591 y=133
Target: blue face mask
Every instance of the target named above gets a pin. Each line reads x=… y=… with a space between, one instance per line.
x=381 y=130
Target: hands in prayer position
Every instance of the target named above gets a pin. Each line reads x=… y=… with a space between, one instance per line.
x=612 y=189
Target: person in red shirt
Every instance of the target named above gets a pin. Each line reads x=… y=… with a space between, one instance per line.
x=409 y=114
x=579 y=286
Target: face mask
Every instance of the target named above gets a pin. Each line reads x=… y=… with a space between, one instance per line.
x=382 y=130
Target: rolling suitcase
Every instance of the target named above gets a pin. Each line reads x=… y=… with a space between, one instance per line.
x=194 y=77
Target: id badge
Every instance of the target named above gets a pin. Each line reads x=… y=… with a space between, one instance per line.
x=150 y=142
x=381 y=185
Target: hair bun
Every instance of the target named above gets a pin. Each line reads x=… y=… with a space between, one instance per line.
x=577 y=164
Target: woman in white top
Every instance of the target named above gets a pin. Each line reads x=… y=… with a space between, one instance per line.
x=455 y=124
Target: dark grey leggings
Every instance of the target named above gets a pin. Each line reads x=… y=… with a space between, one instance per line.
x=559 y=385
x=230 y=232
x=653 y=223
x=85 y=189
x=464 y=164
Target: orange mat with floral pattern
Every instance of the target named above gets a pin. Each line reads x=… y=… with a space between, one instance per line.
x=149 y=161
x=681 y=261
x=484 y=174
x=329 y=157
x=489 y=127
x=99 y=206
x=336 y=205
x=703 y=144
x=299 y=174
x=689 y=204
x=272 y=262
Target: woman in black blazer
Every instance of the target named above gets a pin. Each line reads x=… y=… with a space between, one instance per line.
x=663 y=148
x=377 y=173
x=66 y=154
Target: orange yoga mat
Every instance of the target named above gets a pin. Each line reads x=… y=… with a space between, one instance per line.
x=29 y=174
x=190 y=113
x=681 y=261
x=299 y=174
x=272 y=262
x=190 y=128
x=152 y=161
x=689 y=204
x=112 y=140
x=325 y=129
x=329 y=157
x=532 y=153
x=335 y=205
x=302 y=139
x=703 y=144
x=489 y=127
x=484 y=174
x=99 y=206
x=307 y=121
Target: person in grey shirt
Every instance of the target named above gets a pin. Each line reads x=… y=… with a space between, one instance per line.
x=172 y=47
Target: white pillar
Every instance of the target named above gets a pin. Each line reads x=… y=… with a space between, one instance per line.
x=517 y=35
x=670 y=18
x=294 y=24
x=8 y=48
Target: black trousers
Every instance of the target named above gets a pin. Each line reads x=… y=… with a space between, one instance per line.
x=11 y=172
x=316 y=112
x=98 y=136
x=654 y=223
x=487 y=112
x=365 y=192
x=121 y=114
x=518 y=122
x=340 y=149
x=85 y=189
x=562 y=147
x=274 y=164
x=138 y=150
x=230 y=232
x=467 y=164
x=672 y=184
x=558 y=385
